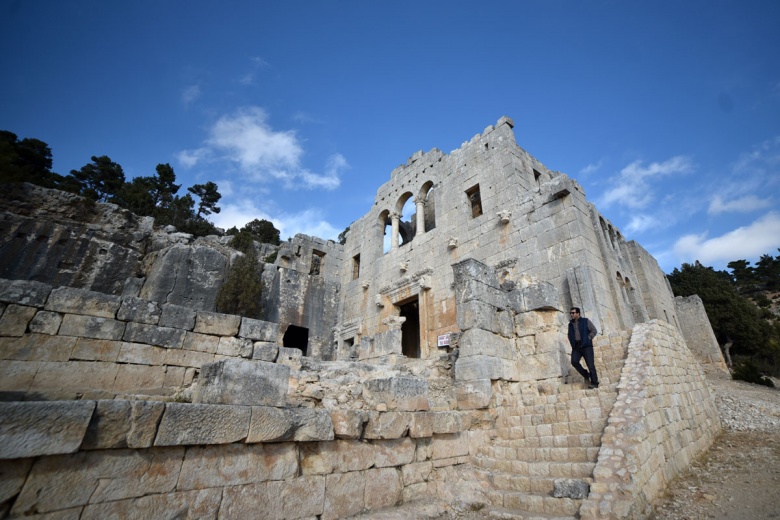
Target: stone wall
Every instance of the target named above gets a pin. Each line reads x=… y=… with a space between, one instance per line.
x=664 y=418
x=699 y=336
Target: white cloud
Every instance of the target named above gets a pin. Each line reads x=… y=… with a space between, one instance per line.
x=641 y=223
x=740 y=205
x=744 y=242
x=632 y=187
x=246 y=139
x=190 y=94
x=592 y=168
x=310 y=221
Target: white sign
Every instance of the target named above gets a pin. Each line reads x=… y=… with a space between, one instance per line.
x=444 y=340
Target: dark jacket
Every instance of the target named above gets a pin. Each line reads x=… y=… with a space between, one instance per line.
x=586 y=328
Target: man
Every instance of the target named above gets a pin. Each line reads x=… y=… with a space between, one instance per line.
x=581 y=334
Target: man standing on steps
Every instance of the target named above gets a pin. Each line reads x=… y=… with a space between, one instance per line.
x=581 y=334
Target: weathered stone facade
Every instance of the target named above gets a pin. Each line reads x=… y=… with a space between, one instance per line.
x=423 y=361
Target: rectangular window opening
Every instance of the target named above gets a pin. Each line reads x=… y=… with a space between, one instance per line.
x=475 y=200
x=356 y=267
x=317 y=258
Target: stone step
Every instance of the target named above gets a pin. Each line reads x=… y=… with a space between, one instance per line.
x=583 y=440
x=535 y=504
x=501 y=513
x=536 y=469
x=541 y=454
x=512 y=482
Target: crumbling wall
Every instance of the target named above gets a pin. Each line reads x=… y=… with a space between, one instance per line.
x=664 y=418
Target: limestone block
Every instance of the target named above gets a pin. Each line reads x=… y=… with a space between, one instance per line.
x=447 y=422
x=177 y=317
x=188 y=424
x=265 y=351
x=217 y=324
x=16 y=377
x=571 y=488
x=541 y=296
x=239 y=381
x=387 y=425
x=140 y=354
x=138 y=310
x=479 y=367
x=91 y=327
x=551 y=342
x=269 y=424
x=383 y=488
x=302 y=497
x=312 y=424
x=37 y=347
x=394 y=452
x=421 y=425
x=24 y=292
x=87 y=349
x=139 y=379
x=290 y=357
x=80 y=301
x=398 y=393
x=46 y=322
x=416 y=472
x=204 y=503
x=470 y=268
x=74 y=377
x=123 y=424
x=481 y=315
x=235 y=347
x=237 y=464
x=187 y=358
x=31 y=429
x=474 y=394
x=98 y=476
x=13 y=473
x=344 y=494
x=450 y=445
x=200 y=342
x=258 y=330
x=469 y=290
x=15 y=319
x=340 y=456
x=348 y=424
x=153 y=335
x=475 y=342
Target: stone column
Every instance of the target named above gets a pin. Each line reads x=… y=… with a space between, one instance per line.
x=395 y=219
x=420 y=205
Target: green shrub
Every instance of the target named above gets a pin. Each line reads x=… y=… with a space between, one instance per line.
x=748 y=371
x=240 y=294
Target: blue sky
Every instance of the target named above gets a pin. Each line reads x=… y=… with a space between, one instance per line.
x=667 y=112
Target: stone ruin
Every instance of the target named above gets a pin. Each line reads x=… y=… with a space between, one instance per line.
x=424 y=363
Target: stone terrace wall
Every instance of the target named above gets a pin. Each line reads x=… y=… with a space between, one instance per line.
x=663 y=419
x=65 y=343
x=699 y=336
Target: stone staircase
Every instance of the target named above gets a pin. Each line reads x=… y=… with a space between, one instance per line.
x=541 y=439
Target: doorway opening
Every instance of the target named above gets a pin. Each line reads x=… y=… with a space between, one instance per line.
x=296 y=337
x=410 y=330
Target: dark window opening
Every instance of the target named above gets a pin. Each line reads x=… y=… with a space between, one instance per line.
x=356 y=267
x=410 y=330
x=296 y=337
x=475 y=200
x=317 y=258
x=537 y=175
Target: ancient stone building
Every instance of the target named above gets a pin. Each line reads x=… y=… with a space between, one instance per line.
x=422 y=365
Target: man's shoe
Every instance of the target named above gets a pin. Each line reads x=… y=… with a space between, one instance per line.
x=593 y=385
x=587 y=378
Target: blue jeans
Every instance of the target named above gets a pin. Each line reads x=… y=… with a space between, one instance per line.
x=587 y=353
